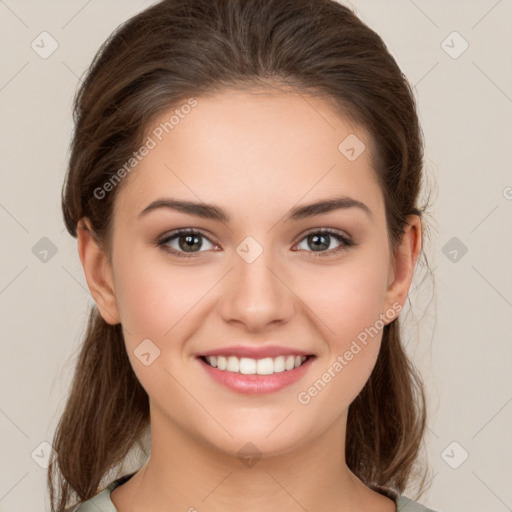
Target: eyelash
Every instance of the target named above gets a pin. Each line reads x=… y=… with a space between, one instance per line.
x=346 y=243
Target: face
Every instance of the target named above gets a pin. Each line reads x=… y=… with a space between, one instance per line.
x=259 y=271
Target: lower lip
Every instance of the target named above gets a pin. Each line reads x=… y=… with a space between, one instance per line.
x=256 y=384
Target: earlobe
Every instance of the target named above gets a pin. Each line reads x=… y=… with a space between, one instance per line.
x=98 y=272
x=405 y=257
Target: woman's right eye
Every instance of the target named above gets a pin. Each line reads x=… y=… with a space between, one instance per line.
x=186 y=241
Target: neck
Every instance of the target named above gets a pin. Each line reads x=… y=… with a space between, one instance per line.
x=184 y=474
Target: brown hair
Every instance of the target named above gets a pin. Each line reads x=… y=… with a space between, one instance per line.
x=179 y=49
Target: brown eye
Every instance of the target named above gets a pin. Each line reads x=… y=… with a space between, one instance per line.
x=189 y=242
x=320 y=242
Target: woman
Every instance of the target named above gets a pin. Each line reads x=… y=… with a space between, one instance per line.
x=243 y=184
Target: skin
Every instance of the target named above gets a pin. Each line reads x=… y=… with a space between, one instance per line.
x=256 y=154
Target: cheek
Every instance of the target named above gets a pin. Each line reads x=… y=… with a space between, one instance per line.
x=155 y=299
x=163 y=303
x=349 y=303
x=158 y=302
x=348 y=298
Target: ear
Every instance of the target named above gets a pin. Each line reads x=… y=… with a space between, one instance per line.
x=405 y=255
x=98 y=272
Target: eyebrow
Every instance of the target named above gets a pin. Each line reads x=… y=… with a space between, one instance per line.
x=211 y=211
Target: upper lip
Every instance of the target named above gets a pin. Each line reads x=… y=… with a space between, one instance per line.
x=252 y=352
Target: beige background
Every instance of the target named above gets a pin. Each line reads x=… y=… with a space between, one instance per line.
x=463 y=343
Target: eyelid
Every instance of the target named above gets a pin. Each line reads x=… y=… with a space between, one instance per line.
x=342 y=237
x=329 y=231
x=174 y=234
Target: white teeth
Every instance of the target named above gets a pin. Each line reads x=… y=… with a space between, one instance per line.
x=221 y=363
x=233 y=364
x=279 y=364
x=249 y=366
x=265 y=366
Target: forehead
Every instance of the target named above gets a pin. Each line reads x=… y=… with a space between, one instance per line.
x=253 y=148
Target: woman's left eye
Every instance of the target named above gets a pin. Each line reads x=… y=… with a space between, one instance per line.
x=321 y=239
x=189 y=242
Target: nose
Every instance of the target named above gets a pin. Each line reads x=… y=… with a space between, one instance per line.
x=257 y=294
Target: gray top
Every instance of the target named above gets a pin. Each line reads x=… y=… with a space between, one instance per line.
x=102 y=502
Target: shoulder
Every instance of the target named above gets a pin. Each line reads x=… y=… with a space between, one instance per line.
x=99 y=503
x=102 y=502
x=405 y=504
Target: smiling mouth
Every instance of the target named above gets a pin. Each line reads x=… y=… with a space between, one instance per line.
x=249 y=366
